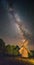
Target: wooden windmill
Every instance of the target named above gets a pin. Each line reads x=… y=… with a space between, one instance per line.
x=24 y=50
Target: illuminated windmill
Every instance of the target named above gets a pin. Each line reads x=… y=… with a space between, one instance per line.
x=24 y=50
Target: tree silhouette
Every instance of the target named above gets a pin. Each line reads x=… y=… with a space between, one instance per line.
x=2 y=46
x=12 y=50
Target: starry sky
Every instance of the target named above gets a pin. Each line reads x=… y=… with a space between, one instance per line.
x=12 y=11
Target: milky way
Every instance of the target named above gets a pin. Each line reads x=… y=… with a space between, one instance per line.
x=23 y=12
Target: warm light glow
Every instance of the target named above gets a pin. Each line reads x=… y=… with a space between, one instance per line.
x=23 y=52
x=26 y=42
x=23 y=42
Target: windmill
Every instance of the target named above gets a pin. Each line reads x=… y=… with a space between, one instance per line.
x=24 y=50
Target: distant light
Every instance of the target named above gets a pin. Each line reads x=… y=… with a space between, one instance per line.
x=23 y=40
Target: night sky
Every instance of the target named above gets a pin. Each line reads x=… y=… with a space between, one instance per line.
x=23 y=10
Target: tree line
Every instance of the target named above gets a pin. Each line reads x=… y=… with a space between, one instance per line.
x=10 y=50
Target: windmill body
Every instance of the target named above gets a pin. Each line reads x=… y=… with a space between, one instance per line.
x=23 y=51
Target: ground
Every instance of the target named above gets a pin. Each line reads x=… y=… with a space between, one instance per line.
x=16 y=61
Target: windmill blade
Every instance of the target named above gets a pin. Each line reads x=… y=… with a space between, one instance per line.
x=25 y=43
x=21 y=50
x=29 y=52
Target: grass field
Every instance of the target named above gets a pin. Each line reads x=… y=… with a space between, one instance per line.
x=16 y=61
x=31 y=60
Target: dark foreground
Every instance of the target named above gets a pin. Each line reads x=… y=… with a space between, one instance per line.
x=13 y=61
